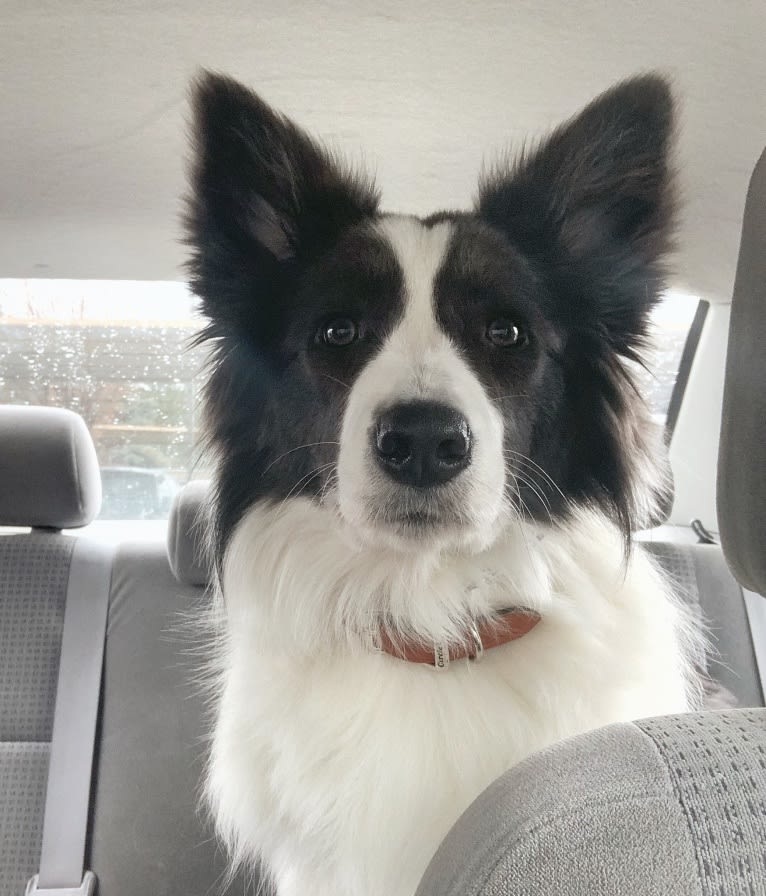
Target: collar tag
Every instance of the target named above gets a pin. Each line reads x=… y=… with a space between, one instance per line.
x=441 y=656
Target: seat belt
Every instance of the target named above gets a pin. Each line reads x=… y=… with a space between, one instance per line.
x=70 y=770
x=755 y=607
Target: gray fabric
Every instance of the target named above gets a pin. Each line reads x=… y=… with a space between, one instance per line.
x=148 y=834
x=49 y=475
x=677 y=562
x=742 y=451
x=699 y=573
x=734 y=665
x=23 y=772
x=34 y=569
x=74 y=724
x=717 y=762
x=592 y=816
x=186 y=535
x=666 y=807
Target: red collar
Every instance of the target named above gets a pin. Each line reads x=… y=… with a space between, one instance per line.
x=507 y=626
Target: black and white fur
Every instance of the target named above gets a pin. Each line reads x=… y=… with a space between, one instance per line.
x=337 y=765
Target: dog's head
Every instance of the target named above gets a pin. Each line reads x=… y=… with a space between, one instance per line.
x=429 y=380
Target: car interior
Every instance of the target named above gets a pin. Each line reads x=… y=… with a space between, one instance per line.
x=103 y=577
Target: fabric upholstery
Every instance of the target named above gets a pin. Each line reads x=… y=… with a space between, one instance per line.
x=148 y=832
x=23 y=777
x=34 y=572
x=667 y=807
x=742 y=452
x=717 y=763
x=186 y=534
x=700 y=575
x=734 y=663
x=593 y=816
x=49 y=475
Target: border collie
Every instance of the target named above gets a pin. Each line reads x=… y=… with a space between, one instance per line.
x=431 y=456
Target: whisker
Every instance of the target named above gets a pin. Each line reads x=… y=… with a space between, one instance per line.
x=520 y=523
x=513 y=489
x=305 y=480
x=330 y=481
x=336 y=380
x=298 y=448
x=510 y=395
x=530 y=463
x=543 y=500
x=535 y=475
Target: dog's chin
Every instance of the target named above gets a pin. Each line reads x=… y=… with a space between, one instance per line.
x=417 y=531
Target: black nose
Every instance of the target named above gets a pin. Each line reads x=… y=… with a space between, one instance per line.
x=422 y=443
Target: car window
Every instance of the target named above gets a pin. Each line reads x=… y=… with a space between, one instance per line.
x=671 y=323
x=119 y=354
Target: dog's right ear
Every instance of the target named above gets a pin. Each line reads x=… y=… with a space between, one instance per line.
x=265 y=197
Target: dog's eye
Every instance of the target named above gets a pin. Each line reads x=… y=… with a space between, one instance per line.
x=505 y=334
x=339 y=332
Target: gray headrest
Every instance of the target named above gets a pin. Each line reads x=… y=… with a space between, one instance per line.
x=49 y=474
x=742 y=452
x=186 y=534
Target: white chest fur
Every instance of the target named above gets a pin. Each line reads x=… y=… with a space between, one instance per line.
x=344 y=767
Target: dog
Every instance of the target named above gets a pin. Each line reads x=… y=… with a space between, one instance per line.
x=431 y=454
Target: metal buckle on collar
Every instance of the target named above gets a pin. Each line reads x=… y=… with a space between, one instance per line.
x=479 y=647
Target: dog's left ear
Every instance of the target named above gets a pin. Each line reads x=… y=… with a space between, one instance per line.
x=595 y=203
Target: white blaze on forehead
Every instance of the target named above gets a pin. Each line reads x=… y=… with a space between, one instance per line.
x=420 y=251
x=419 y=360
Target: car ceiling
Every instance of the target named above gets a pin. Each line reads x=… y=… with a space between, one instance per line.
x=93 y=111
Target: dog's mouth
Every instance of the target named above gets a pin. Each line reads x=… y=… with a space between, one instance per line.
x=421 y=521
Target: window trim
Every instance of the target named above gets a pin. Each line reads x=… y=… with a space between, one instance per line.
x=684 y=367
